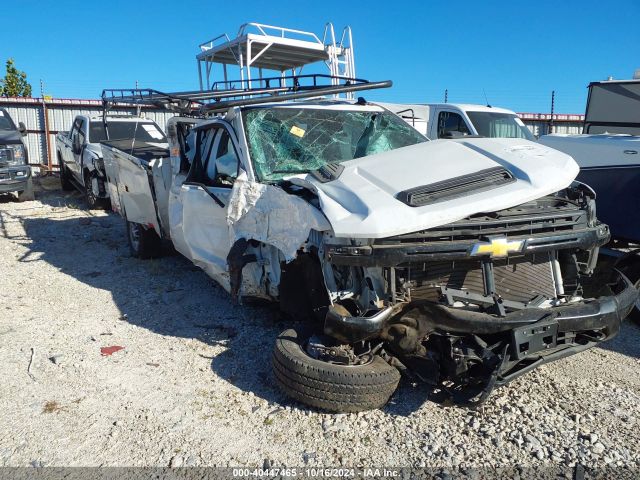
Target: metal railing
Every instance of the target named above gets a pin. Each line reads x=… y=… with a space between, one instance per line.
x=234 y=93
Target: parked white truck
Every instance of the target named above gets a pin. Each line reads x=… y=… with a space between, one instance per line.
x=454 y=120
x=80 y=156
x=464 y=263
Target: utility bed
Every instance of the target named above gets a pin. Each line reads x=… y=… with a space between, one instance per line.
x=136 y=180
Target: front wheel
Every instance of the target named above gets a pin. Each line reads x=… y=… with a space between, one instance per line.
x=95 y=202
x=144 y=242
x=330 y=386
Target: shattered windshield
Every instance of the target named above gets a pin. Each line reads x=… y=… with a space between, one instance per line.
x=502 y=125
x=286 y=141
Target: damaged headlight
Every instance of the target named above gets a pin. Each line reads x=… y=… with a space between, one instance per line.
x=13 y=154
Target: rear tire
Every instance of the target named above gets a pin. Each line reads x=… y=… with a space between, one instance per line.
x=328 y=386
x=65 y=176
x=144 y=242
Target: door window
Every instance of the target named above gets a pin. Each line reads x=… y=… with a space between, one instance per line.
x=216 y=162
x=81 y=132
x=449 y=122
x=222 y=169
x=74 y=130
x=77 y=135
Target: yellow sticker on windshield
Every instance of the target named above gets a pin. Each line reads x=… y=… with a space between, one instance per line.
x=297 y=131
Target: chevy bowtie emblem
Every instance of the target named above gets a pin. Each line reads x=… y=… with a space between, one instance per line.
x=497 y=247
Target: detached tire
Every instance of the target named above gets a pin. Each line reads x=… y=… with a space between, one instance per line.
x=144 y=242
x=331 y=387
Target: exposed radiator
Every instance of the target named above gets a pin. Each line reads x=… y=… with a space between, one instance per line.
x=518 y=279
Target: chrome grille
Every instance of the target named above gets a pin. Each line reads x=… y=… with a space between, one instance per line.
x=6 y=157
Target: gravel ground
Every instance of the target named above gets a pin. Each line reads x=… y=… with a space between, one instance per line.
x=193 y=386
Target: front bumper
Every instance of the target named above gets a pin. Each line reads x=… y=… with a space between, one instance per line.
x=543 y=334
x=14 y=179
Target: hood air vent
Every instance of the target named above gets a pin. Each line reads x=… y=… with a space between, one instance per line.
x=456 y=187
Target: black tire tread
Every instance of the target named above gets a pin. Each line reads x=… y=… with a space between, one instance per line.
x=347 y=389
x=332 y=387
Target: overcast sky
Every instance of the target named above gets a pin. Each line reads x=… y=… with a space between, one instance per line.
x=513 y=52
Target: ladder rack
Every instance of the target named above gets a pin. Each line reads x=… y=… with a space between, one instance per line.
x=227 y=94
x=267 y=47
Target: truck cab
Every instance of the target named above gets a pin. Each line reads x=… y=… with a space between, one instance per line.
x=15 y=173
x=80 y=156
x=454 y=120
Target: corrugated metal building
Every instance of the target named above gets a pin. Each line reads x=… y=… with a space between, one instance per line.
x=59 y=116
x=56 y=114
x=542 y=123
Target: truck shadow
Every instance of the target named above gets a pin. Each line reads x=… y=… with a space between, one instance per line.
x=168 y=296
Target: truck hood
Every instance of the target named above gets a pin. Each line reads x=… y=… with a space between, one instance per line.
x=362 y=203
x=8 y=137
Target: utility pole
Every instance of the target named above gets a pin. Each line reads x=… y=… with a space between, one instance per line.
x=553 y=101
x=138 y=107
x=446 y=95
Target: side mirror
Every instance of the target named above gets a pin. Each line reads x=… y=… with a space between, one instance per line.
x=22 y=129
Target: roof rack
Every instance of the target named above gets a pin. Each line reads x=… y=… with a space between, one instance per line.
x=237 y=93
x=267 y=47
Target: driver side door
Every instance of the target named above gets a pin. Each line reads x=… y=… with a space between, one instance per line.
x=203 y=201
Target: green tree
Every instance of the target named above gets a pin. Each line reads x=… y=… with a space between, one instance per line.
x=14 y=84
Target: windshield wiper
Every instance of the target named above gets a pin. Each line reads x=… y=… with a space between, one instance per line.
x=293 y=172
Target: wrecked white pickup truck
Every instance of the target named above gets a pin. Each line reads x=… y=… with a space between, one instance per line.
x=464 y=263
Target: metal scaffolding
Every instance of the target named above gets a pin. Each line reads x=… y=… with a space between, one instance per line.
x=287 y=51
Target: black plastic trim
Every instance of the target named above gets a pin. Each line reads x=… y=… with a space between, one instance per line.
x=392 y=255
x=456 y=187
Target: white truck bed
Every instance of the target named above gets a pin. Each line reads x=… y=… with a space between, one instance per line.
x=138 y=187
